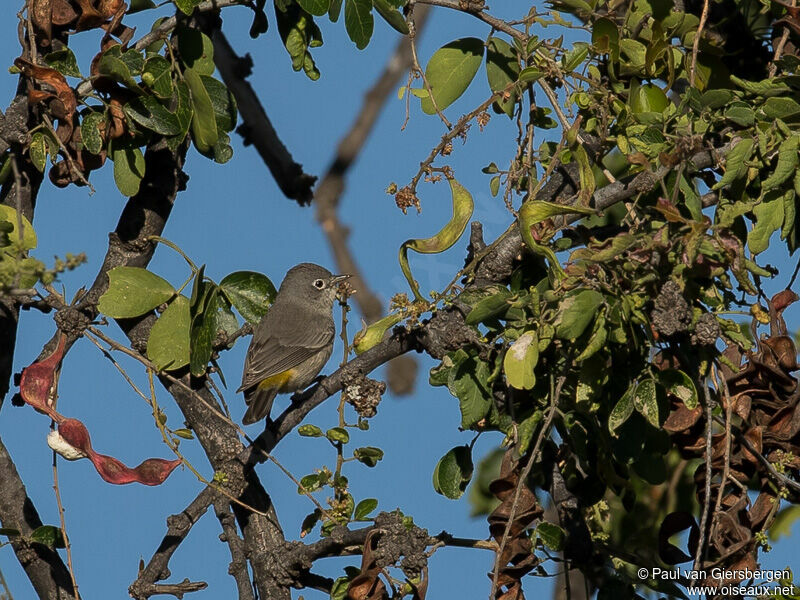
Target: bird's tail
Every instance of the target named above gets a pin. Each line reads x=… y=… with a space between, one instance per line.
x=259 y=402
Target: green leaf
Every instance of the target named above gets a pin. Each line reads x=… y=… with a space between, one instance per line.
x=157 y=75
x=575 y=312
x=310 y=431
x=196 y=51
x=38 y=151
x=310 y=483
x=391 y=15
x=168 y=344
x=368 y=455
x=182 y=99
x=645 y=401
x=536 y=211
x=736 y=162
x=741 y=115
x=781 y=108
x=128 y=167
x=502 y=68
x=494 y=183
x=621 y=411
x=133 y=291
x=9 y=531
x=334 y=10
x=184 y=433
x=453 y=472
x=605 y=38
x=576 y=55
x=338 y=434
x=340 y=587
x=150 y=113
x=139 y=5
x=530 y=74
x=462 y=211
x=299 y=32
x=551 y=535
x=363 y=509
x=783 y=523
x=450 y=71
x=680 y=385
x=716 y=98
x=371 y=336
x=91 y=125
x=489 y=308
x=222 y=101
x=520 y=361
x=186 y=6
x=49 y=535
x=765 y=88
x=250 y=293
x=315 y=7
x=597 y=340
x=468 y=382
x=113 y=66
x=769 y=215
x=10 y=215
x=64 y=62
x=526 y=430
x=204 y=123
x=358 y=21
x=203 y=315
x=648 y=98
x=786 y=166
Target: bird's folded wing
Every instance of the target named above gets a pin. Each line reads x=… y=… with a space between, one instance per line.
x=272 y=355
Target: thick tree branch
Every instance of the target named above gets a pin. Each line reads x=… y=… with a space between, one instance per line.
x=331 y=187
x=256 y=127
x=238 y=566
x=178 y=527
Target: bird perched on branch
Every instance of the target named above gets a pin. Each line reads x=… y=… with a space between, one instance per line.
x=293 y=341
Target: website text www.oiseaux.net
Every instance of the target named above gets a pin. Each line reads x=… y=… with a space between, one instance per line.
x=766 y=581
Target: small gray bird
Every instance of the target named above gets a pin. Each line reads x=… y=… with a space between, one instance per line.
x=293 y=341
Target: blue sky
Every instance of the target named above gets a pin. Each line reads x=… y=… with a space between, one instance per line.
x=233 y=217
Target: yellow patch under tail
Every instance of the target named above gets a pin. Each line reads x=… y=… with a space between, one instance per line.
x=279 y=380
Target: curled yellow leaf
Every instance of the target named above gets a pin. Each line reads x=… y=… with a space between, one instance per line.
x=462 y=211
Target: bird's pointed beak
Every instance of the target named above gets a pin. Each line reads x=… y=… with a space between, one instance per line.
x=338 y=279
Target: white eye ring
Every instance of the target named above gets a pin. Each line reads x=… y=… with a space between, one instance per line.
x=319 y=284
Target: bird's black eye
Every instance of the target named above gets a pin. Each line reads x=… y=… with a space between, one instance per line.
x=319 y=284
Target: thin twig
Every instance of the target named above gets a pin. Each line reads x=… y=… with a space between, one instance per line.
x=461 y=6
x=707 y=500
x=696 y=42
x=419 y=69
x=722 y=388
x=63 y=524
x=238 y=565
x=152 y=402
x=169 y=24
x=773 y=67
x=532 y=458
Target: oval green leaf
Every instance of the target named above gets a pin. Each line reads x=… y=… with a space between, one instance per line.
x=520 y=360
x=250 y=293
x=453 y=472
x=168 y=344
x=133 y=291
x=450 y=71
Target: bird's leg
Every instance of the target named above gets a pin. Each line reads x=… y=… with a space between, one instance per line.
x=300 y=397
